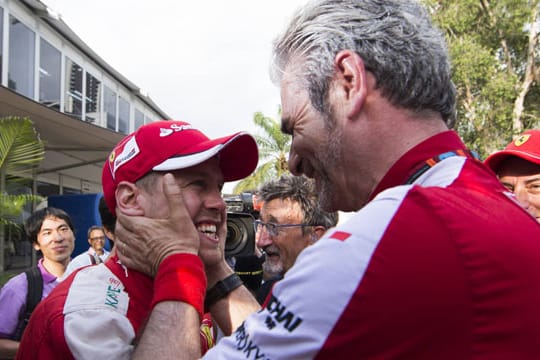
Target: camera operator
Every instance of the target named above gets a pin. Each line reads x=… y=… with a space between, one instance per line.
x=290 y=220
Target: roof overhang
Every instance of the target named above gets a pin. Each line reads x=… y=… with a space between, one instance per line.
x=74 y=150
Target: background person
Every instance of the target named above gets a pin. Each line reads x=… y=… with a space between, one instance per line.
x=290 y=220
x=101 y=310
x=108 y=220
x=51 y=232
x=436 y=263
x=96 y=253
x=518 y=169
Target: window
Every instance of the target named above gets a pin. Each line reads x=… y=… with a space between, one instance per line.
x=109 y=106
x=73 y=88
x=123 y=115
x=93 y=99
x=139 y=119
x=21 y=58
x=50 y=64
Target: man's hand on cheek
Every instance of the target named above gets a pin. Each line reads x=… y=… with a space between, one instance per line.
x=143 y=243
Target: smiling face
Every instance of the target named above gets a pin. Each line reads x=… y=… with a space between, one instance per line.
x=97 y=240
x=523 y=179
x=283 y=248
x=201 y=189
x=55 y=240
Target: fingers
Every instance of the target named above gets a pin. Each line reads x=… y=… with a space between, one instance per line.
x=175 y=200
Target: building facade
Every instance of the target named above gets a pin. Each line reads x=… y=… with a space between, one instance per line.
x=80 y=105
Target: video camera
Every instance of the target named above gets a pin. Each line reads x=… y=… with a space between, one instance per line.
x=240 y=233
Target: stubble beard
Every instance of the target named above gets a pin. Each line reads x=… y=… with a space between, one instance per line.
x=329 y=155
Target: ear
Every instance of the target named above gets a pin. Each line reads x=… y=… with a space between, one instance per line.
x=318 y=232
x=36 y=247
x=351 y=81
x=127 y=199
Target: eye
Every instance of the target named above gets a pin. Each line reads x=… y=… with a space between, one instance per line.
x=534 y=188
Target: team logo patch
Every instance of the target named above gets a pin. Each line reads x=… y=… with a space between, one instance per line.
x=125 y=154
x=340 y=235
x=522 y=140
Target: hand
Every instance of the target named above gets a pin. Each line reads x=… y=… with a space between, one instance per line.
x=143 y=243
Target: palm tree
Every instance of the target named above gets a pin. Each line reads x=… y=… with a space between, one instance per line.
x=274 y=147
x=21 y=151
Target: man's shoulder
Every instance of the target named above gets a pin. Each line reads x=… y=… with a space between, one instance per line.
x=96 y=287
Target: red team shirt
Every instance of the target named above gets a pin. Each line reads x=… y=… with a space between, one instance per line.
x=445 y=268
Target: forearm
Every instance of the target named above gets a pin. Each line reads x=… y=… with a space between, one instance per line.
x=8 y=348
x=231 y=311
x=172 y=332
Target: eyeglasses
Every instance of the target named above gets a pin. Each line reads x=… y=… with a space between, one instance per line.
x=273 y=229
x=97 y=238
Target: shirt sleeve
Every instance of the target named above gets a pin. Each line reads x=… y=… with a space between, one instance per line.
x=12 y=300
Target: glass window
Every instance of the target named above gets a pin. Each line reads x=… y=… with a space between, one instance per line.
x=93 y=99
x=1 y=41
x=109 y=107
x=73 y=86
x=123 y=115
x=21 y=58
x=139 y=119
x=50 y=64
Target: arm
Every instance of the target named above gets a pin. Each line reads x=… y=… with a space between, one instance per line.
x=170 y=318
x=231 y=311
x=8 y=348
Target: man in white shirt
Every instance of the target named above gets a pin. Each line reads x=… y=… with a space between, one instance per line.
x=96 y=254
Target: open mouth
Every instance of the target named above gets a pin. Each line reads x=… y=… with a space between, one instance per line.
x=208 y=229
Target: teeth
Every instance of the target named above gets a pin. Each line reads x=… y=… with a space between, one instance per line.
x=208 y=229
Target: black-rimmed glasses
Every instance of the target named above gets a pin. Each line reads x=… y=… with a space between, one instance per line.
x=273 y=229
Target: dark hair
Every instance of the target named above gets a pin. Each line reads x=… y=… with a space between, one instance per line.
x=300 y=189
x=108 y=220
x=35 y=221
x=94 y=227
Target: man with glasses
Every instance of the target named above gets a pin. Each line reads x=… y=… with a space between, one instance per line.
x=96 y=253
x=290 y=220
x=518 y=169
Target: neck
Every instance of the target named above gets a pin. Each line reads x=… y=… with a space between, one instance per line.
x=99 y=252
x=54 y=267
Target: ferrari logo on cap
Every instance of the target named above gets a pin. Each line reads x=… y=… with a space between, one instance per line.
x=522 y=140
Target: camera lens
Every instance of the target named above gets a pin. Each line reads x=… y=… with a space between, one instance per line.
x=240 y=235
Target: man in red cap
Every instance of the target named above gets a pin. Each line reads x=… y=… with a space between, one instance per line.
x=518 y=169
x=99 y=312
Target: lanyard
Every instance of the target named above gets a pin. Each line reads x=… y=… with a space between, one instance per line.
x=428 y=164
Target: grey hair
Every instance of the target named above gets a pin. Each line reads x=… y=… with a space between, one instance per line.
x=396 y=40
x=302 y=190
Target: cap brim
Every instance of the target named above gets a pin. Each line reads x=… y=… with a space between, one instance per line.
x=494 y=160
x=238 y=156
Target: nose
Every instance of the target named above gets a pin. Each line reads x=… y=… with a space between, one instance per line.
x=294 y=162
x=214 y=200
x=58 y=236
x=262 y=238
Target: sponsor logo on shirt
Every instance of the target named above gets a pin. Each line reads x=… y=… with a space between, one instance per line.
x=246 y=346
x=113 y=293
x=280 y=315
